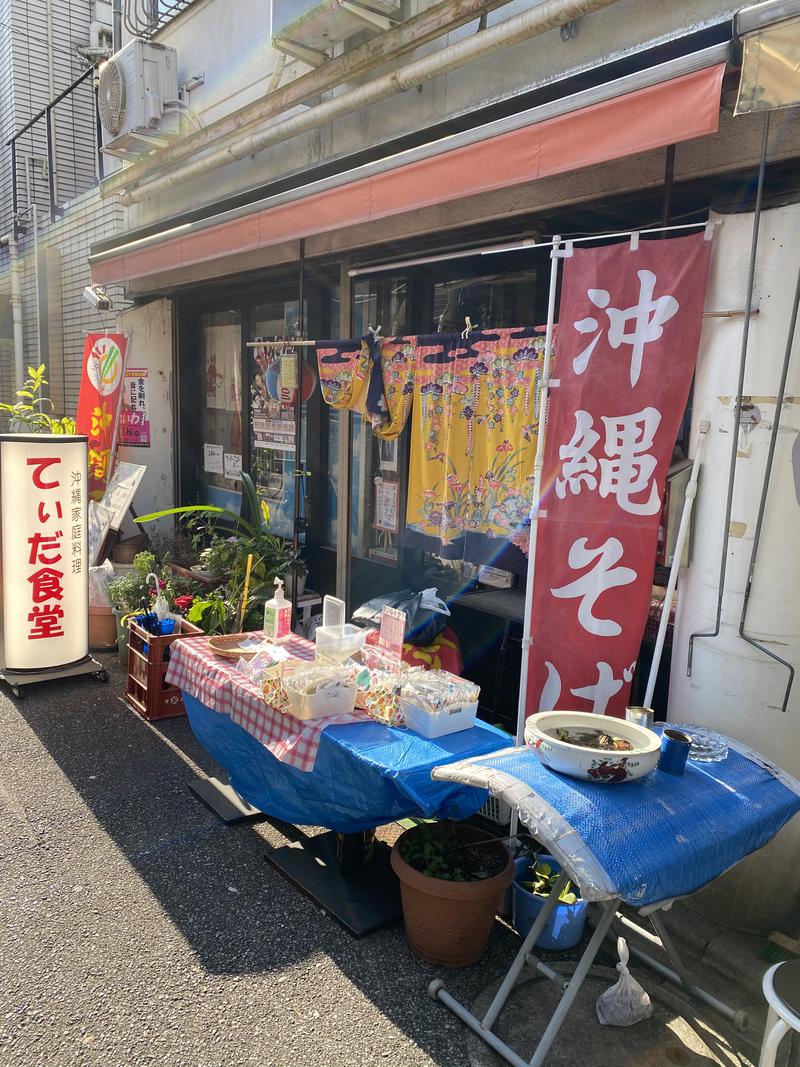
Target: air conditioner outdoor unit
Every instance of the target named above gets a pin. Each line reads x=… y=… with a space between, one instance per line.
x=135 y=90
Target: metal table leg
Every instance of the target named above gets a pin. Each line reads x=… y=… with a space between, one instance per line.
x=681 y=975
x=483 y=1027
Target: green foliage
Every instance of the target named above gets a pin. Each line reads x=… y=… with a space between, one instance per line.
x=544 y=878
x=127 y=591
x=29 y=409
x=229 y=539
x=440 y=850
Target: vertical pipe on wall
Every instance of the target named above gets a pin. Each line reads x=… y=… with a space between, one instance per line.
x=345 y=464
x=737 y=409
x=300 y=472
x=16 y=311
x=116 y=24
x=762 y=504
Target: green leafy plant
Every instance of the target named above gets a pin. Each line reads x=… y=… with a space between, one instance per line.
x=29 y=411
x=544 y=878
x=440 y=850
x=230 y=545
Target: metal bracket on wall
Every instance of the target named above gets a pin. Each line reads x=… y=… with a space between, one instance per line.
x=569 y=31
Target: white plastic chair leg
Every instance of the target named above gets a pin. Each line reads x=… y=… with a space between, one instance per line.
x=774 y=1032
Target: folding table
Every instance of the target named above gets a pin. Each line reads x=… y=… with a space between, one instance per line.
x=643 y=843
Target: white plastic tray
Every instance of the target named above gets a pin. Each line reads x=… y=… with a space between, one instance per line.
x=340 y=700
x=443 y=722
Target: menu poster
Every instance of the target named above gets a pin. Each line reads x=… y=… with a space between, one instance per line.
x=134 y=426
x=387 y=506
x=212 y=459
x=232 y=465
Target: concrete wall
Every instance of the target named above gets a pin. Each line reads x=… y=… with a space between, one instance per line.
x=150 y=346
x=733 y=687
x=232 y=48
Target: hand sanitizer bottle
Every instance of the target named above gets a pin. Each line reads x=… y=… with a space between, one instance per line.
x=278 y=615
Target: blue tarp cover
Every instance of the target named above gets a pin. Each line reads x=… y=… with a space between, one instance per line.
x=365 y=774
x=650 y=840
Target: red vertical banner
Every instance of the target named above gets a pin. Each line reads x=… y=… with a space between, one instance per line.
x=99 y=402
x=629 y=329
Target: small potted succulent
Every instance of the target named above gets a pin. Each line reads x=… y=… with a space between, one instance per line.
x=534 y=878
x=452 y=880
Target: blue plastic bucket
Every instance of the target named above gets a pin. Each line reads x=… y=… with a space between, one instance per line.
x=564 y=928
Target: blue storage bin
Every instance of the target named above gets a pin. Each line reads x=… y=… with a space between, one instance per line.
x=564 y=928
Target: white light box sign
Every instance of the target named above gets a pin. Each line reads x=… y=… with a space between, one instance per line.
x=45 y=577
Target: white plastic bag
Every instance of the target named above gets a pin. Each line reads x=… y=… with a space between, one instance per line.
x=99 y=577
x=625 y=1003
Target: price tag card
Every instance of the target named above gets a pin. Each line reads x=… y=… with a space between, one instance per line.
x=393 y=628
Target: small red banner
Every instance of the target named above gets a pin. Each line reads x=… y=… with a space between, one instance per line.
x=99 y=401
x=629 y=329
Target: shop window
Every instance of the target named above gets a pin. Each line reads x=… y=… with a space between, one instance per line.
x=378 y=469
x=221 y=339
x=489 y=302
x=272 y=373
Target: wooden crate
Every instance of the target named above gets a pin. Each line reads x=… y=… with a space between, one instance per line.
x=148 y=658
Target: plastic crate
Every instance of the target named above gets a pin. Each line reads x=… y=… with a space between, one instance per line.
x=148 y=658
x=496 y=811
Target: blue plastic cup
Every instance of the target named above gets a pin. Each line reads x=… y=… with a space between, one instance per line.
x=675 y=745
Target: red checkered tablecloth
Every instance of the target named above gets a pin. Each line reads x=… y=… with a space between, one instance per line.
x=217 y=683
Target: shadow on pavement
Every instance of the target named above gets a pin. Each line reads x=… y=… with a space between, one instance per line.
x=239 y=916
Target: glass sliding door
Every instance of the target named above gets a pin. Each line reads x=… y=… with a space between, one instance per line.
x=222 y=440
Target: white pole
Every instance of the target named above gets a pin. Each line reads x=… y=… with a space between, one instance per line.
x=538 y=465
x=683 y=533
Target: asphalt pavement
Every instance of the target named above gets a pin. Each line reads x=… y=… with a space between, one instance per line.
x=137 y=929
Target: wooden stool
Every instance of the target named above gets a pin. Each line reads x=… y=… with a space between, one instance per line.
x=781 y=987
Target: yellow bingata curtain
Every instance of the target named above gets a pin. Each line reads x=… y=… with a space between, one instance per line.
x=475 y=405
x=473 y=443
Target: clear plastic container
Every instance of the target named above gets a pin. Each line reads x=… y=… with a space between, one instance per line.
x=337 y=640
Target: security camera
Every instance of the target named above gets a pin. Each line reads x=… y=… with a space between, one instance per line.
x=97 y=297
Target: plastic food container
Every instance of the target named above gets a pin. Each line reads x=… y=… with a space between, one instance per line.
x=440 y=723
x=338 y=647
x=330 y=700
x=337 y=640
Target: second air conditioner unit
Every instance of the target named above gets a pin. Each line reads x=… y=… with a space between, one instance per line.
x=136 y=93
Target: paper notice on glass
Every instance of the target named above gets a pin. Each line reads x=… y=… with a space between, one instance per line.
x=387 y=500
x=212 y=459
x=232 y=465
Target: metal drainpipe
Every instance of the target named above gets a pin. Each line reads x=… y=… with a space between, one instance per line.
x=547 y=15
x=116 y=25
x=762 y=504
x=16 y=308
x=36 y=282
x=51 y=115
x=737 y=410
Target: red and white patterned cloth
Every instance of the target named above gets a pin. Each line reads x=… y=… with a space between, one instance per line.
x=217 y=683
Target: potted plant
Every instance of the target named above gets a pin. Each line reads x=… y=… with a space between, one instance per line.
x=534 y=878
x=225 y=558
x=452 y=879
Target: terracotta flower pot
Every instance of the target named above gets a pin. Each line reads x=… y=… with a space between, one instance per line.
x=449 y=923
x=102 y=629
